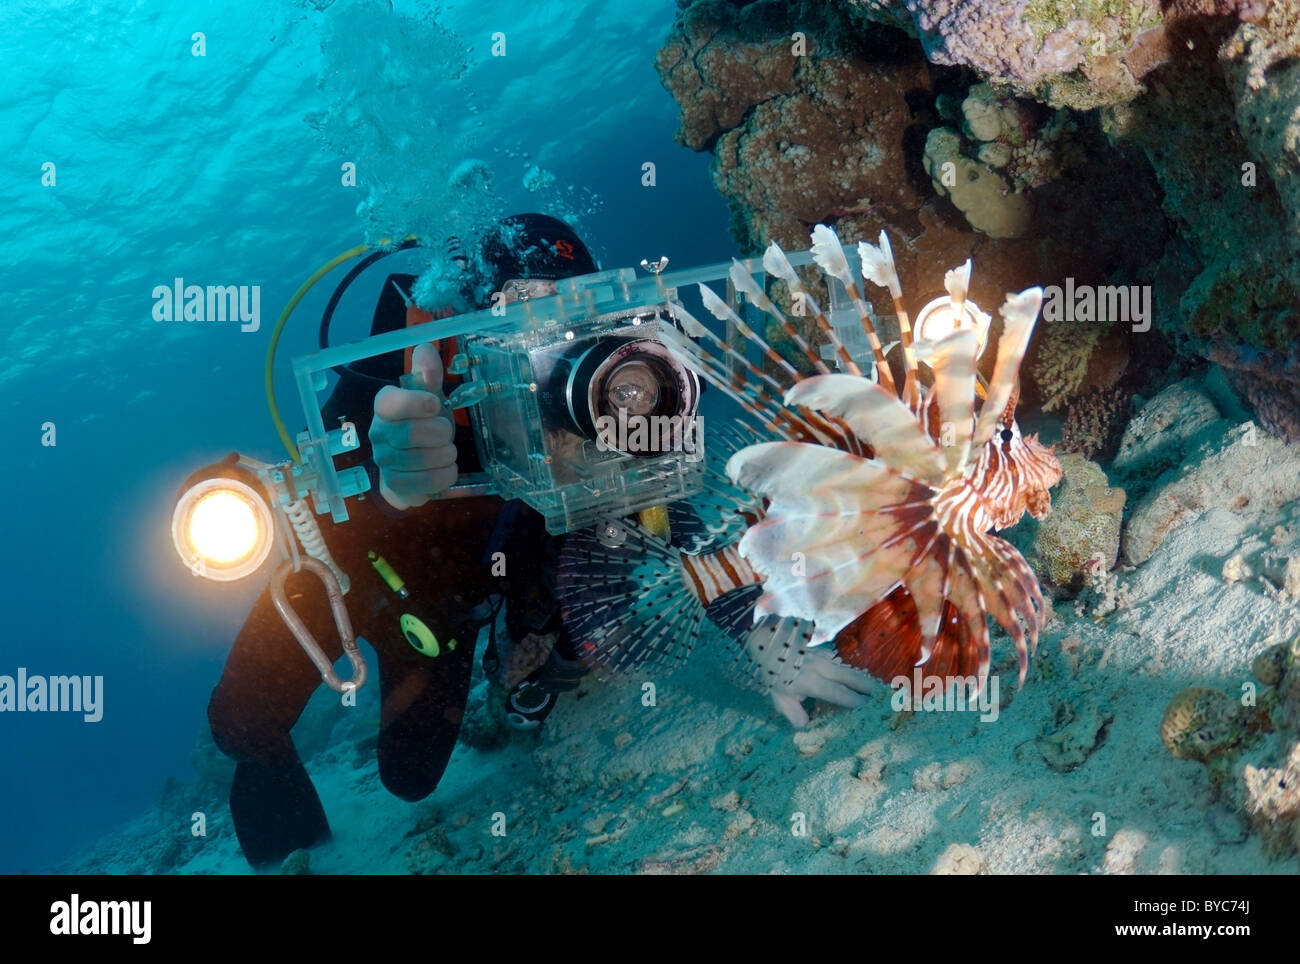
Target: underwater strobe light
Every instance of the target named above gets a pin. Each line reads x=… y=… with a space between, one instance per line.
x=943 y=315
x=222 y=527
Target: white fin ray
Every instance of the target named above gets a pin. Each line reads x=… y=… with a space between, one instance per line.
x=1019 y=315
x=953 y=361
x=878 y=418
x=878 y=265
x=957 y=284
x=744 y=282
x=927 y=582
x=829 y=255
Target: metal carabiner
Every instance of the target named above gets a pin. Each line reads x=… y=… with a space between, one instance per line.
x=303 y=634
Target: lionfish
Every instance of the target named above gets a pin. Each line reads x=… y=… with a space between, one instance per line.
x=850 y=508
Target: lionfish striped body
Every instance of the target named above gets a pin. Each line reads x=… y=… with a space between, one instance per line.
x=866 y=516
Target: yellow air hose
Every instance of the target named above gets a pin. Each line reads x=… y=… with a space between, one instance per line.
x=307 y=285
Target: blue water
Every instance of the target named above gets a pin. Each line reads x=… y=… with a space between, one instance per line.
x=215 y=169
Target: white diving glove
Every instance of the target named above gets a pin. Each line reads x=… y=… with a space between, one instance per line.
x=794 y=673
x=412 y=436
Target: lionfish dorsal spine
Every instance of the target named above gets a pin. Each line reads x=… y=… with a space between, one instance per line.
x=828 y=253
x=744 y=282
x=1019 y=315
x=777 y=264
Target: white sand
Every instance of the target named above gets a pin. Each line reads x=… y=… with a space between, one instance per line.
x=711 y=778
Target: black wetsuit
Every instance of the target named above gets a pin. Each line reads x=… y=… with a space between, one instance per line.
x=443 y=552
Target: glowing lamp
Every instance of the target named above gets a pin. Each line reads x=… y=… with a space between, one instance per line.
x=939 y=318
x=222 y=528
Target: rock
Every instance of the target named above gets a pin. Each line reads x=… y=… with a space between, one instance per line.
x=1235 y=569
x=1222 y=144
x=809 y=742
x=728 y=802
x=1202 y=724
x=1069 y=747
x=697 y=860
x=1271 y=665
x=297 y=863
x=1084 y=523
x=959 y=860
x=743 y=822
x=1291 y=580
x=1245 y=472
x=936 y=776
x=1123 y=851
x=955 y=773
x=484 y=725
x=928 y=777
x=1272 y=801
x=834 y=799
x=1159 y=434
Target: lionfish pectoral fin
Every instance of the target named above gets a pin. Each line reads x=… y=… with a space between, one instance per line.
x=878 y=418
x=626 y=604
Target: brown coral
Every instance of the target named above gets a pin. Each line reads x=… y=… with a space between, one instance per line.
x=1095 y=423
x=1273 y=801
x=1072 y=356
x=1202 y=724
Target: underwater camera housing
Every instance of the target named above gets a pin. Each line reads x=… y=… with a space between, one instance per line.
x=578 y=408
x=583 y=421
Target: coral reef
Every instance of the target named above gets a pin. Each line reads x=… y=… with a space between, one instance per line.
x=798 y=135
x=1031 y=46
x=1095 y=423
x=1072 y=358
x=1084 y=523
x=1208 y=726
x=1272 y=802
x=978 y=191
x=847 y=133
x=1080 y=734
x=1003 y=151
x=1269 y=382
x=1063 y=52
x=1204 y=94
x=1224 y=147
x=1103 y=593
x=1203 y=724
x=838 y=136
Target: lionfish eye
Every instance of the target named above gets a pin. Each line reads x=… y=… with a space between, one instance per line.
x=1006 y=435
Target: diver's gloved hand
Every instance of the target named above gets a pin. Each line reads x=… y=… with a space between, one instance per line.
x=412 y=436
x=796 y=674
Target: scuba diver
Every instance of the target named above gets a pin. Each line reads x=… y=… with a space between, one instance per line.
x=423 y=575
x=424 y=578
